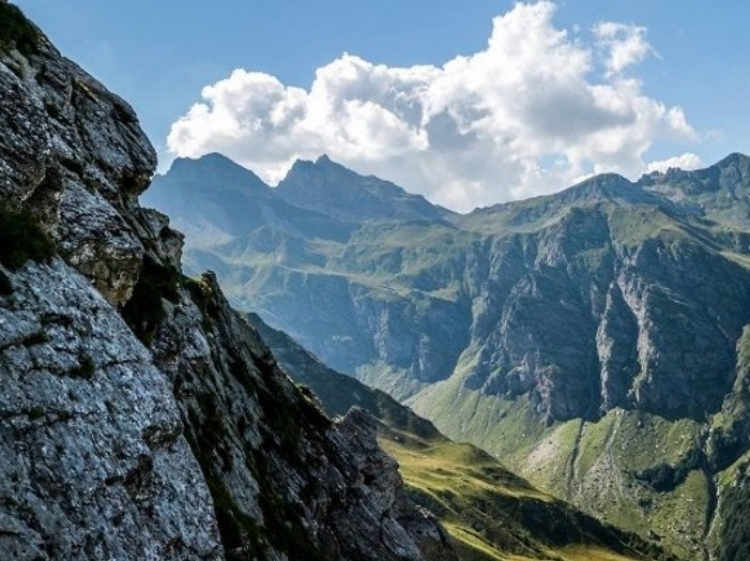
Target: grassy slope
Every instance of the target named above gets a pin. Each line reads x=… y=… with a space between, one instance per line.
x=493 y=514
x=592 y=464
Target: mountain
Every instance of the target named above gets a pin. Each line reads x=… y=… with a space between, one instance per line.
x=594 y=340
x=490 y=512
x=336 y=191
x=142 y=418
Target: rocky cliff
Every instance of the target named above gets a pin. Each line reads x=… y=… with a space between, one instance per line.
x=142 y=418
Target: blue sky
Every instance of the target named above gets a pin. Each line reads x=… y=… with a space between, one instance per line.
x=403 y=106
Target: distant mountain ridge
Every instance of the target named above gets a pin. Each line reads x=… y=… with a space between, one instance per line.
x=336 y=191
x=562 y=327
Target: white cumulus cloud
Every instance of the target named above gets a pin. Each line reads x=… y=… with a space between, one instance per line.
x=527 y=115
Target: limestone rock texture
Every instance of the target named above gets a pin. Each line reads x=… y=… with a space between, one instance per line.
x=141 y=417
x=93 y=462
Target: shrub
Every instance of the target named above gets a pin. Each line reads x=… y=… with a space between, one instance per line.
x=85 y=370
x=6 y=287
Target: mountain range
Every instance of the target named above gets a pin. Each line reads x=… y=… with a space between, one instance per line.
x=593 y=340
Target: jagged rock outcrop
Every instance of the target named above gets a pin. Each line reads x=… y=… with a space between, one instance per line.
x=93 y=462
x=74 y=154
x=290 y=482
x=142 y=418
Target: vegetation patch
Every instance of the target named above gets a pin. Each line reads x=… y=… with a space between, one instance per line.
x=493 y=514
x=36 y=338
x=734 y=541
x=664 y=477
x=17 y=31
x=203 y=298
x=21 y=239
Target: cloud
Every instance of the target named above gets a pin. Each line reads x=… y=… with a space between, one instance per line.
x=685 y=161
x=624 y=45
x=529 y=114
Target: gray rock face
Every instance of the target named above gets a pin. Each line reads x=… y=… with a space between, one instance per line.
x=94 y=461
x=74 y=155
x=195 y=448
x=291 y=483
x=335 y=191
x=93 y=464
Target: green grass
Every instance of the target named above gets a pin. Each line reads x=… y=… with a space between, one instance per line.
x=509 y=429
x=633 y=225
x=601 y=475
x=493 y=514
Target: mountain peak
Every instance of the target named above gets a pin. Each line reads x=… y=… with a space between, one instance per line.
x=337 y=191
x=607 y=185
x=322 y=165
x=735 y=159
x=215 y=157
x=214 y=169
x=730 y=175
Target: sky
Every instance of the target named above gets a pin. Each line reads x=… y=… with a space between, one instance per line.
x=468 y=103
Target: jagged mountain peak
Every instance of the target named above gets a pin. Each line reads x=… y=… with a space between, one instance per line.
x=335 y=190
x=321 y=170
x=215 y=169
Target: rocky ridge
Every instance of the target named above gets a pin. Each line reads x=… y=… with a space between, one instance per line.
x=172 y=434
